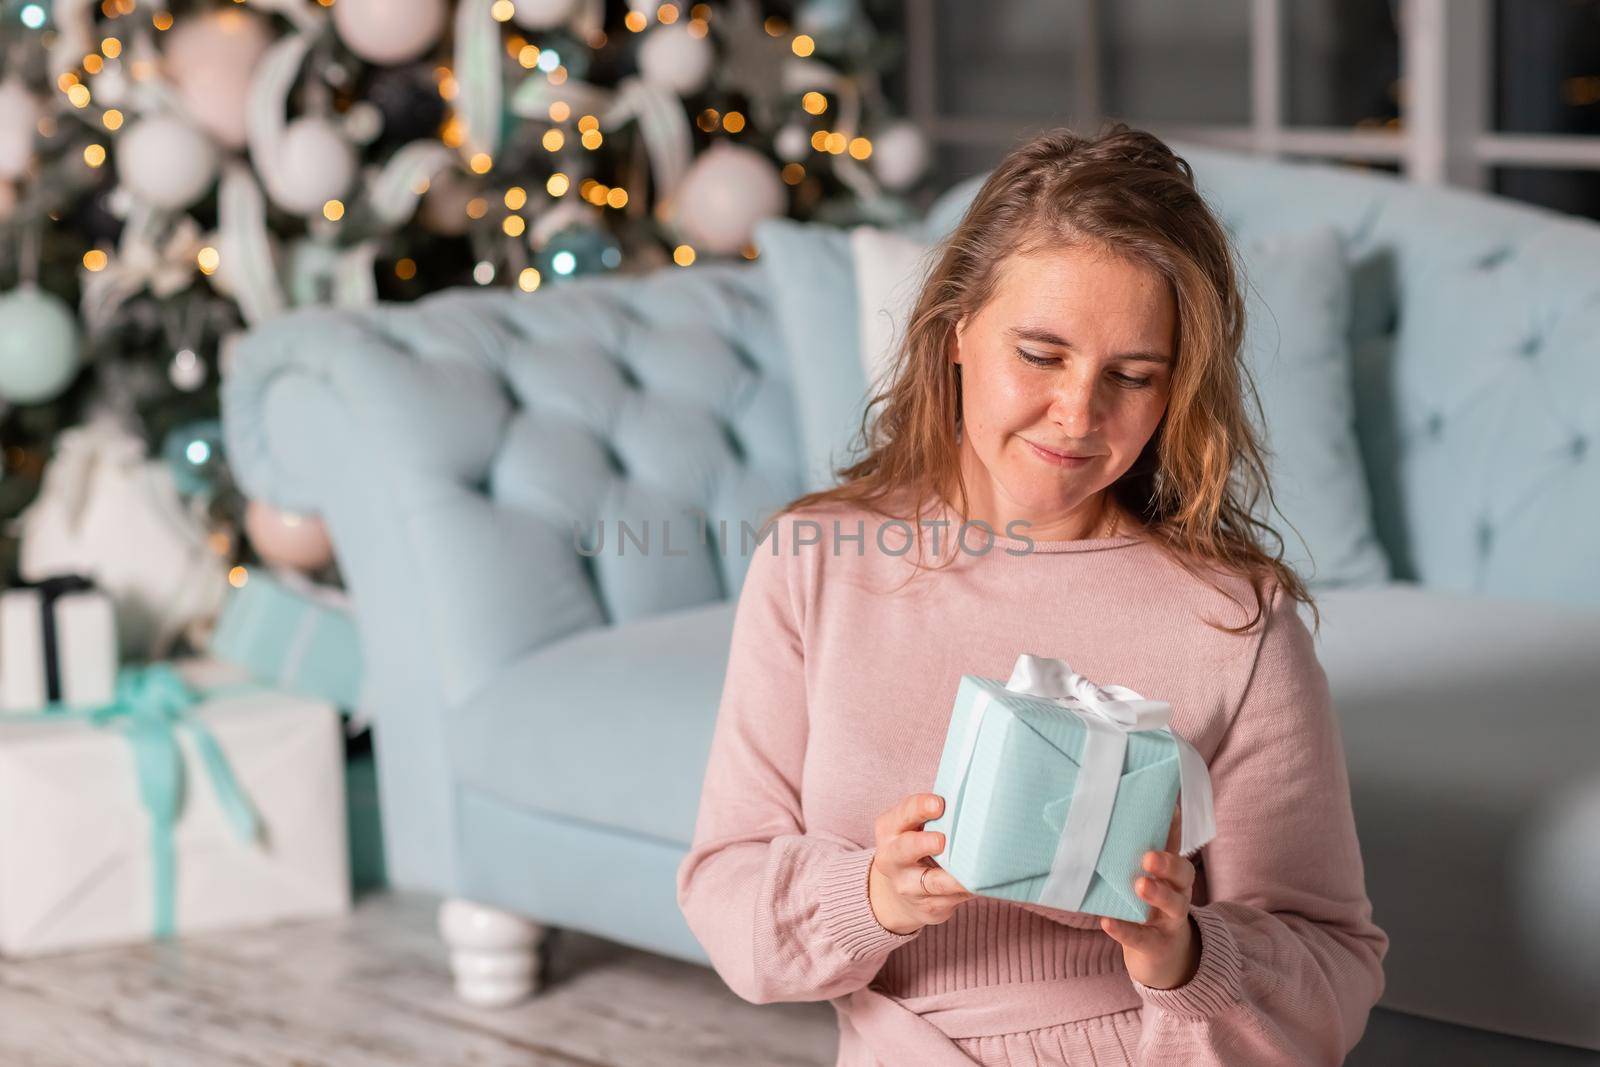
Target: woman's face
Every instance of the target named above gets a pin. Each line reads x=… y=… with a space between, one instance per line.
x=1073 y=354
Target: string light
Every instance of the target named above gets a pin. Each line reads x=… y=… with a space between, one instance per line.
x=557 y=185
x=516 y=197
x=793 y=174
x=667 y=13
x=93 y=63
x=528 y=280
x=405 y=269
x=860 y=148
x=819 y=140
x=333 y=210
x=514 y=225
x=528 y=56
x=699 y=27
x=803 y=45
x=483 y=272
x=502 y=10
x=701 y=12
x=94 y=260
x=112 y=119
x=553 y=140
x=560 y=111
x=617 y=198
x=161 y=20
x=733 y=122
x=477 y=207
x=237 y=576
x=481 y=163
x=749 y=252
x=683 y=255
x=66 y=81
x=454 y=132
x=208 y=260
x=558 y=76
x=775 y=26
x=635 y=22
x=111 y=47
x=515 y=44
x=591 y=139
x=707 y=120
x=79 y=95
x=836 y=143
x=814 y=103
x=94 y=154
x=588 y=122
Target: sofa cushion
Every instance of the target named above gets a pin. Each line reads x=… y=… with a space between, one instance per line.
x=611 y=726
x=1471 y=726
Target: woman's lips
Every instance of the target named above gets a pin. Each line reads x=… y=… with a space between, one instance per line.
x=1060 y=459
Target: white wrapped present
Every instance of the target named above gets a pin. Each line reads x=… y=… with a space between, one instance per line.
x=164 y=815
x=58 y=645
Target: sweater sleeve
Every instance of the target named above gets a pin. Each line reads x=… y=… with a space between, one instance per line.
x=783 y=915
x=1291 y=963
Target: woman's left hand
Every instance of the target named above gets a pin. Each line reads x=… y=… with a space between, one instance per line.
x=1163 y=952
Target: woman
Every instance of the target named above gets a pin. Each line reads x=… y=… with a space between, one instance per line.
x=1070 y=387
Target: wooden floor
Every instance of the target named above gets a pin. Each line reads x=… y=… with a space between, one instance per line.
x=373 y=990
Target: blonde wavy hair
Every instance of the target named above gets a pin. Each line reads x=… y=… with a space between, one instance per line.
x=1198 y=480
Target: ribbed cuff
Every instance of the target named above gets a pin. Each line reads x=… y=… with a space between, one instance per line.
x=1217 y=983
x=846 y=909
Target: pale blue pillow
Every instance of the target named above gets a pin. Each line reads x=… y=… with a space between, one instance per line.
x=1298 y=306
x=811 y=281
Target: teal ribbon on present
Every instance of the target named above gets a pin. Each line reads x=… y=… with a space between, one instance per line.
x=151 y=704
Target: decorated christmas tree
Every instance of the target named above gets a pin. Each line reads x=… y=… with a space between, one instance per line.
x=173 y=174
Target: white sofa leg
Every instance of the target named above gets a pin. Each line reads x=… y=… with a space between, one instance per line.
x=494 y=954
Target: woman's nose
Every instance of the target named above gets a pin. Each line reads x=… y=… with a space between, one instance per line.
x=1072 y=407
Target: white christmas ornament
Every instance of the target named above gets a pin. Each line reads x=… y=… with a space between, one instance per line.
x=899 y=155
x=673 y=57
x=725 y=193
x=106 y=511
x=166 y=162
x=541 y=14
x=315 y=164
x=386 y=32
x=792 y=143
x=19 y=116
x=39 y=345
x=210 y=58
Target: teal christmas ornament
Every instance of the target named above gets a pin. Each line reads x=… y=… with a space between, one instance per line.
x=194 y=454
x=578 y=250
x=40 y=345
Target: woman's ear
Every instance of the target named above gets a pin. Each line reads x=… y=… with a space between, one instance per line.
x=955 y=340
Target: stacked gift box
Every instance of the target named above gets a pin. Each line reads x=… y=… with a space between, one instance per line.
x=164 y=798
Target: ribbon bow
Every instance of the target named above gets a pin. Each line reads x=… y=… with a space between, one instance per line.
x=151 y=704
x=1109 y=713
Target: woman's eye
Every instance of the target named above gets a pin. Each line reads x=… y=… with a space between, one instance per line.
x=1131 y=381
x=1037 y=361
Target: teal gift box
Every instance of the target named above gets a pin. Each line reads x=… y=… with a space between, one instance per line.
x=1055 y=788
x=292 y=634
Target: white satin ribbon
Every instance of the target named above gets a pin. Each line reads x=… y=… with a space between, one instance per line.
x=1109 y=713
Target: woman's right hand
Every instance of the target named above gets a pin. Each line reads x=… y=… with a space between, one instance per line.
x=907 y=889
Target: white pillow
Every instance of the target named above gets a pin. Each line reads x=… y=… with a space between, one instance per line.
x=890 y=269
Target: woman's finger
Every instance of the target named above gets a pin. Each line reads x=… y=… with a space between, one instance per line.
x=1178 y=871
x=1168 y=905
x=1137 y=936
x=940 y=883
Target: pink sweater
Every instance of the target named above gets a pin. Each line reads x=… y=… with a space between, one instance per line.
x=834 y=707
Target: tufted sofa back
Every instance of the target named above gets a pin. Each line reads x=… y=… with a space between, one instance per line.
x=480 y=439
x=1476 y=335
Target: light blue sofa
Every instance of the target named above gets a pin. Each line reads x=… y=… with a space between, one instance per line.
x=543 y=716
